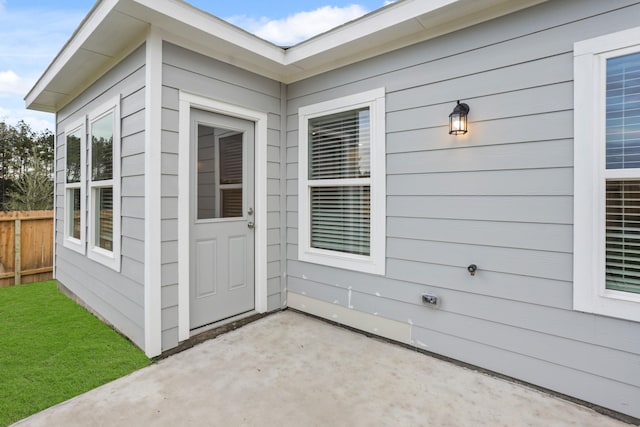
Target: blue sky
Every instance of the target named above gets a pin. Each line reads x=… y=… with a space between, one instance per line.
x=32 y=32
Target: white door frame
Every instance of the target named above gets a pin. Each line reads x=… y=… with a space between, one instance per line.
x=187 y=102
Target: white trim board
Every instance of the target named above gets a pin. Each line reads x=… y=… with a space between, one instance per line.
x=590 y=294
x=377 y=325
x=187 y=102
x=153 y=196
x=374 y=263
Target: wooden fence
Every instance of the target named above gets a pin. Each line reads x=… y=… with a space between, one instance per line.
x=26 y=247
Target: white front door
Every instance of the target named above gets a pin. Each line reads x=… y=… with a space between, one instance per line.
x=222 y=214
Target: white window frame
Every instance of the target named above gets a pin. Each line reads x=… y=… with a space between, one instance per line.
x=589 y=291
x=375 y=262
x=110 y=259
x=69 y=241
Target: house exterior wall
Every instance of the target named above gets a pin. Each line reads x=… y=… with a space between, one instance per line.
x=500 y=197
x=116 y=296
x=185 y=70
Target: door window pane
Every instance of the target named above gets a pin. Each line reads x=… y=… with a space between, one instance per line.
x=219 y=178
x=231 y=159
x=207 y=160
x=231 y=202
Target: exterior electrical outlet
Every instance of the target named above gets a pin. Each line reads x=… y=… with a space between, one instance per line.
x=430 y=299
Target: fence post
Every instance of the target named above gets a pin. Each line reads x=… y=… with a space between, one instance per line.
x=17 y=244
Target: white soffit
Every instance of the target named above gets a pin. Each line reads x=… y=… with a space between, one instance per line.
x=102 y=39
x=114 y=28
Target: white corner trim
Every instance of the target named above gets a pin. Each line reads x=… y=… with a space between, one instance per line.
x=186 y=102
x=375 y=263
x=153 y=196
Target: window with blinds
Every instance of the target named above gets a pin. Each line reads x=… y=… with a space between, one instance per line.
x=342 y=182
x=103 y=139
x=606 y=175
x=339 y=184
x=73 y=188
x=102 y=180
x=622 y=204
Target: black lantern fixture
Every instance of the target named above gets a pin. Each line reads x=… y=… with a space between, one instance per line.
x=458 y=119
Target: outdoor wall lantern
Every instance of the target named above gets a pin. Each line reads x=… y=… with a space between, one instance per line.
x=458 y=119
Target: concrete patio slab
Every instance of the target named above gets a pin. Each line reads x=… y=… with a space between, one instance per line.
x=289 y=369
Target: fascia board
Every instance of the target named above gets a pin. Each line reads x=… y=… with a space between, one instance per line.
x=377 y=21
x=392 y=27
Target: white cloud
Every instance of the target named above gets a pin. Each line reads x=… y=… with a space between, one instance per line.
x=299 y=26
x=12 y=84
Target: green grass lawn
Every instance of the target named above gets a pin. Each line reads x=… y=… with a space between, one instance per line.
x=51 y=349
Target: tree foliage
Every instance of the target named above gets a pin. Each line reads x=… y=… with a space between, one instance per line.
x=26 y=167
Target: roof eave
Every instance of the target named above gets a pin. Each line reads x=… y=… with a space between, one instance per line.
x=102 y=40
x=397 y=25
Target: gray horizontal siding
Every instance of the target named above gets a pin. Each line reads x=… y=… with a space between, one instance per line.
x=500 y=197
x=117 y=296
x=194 y=73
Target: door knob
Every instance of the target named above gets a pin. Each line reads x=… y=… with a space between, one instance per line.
x=251 y=224
x=250 y=211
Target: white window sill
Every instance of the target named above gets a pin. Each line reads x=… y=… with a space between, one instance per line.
x=364 y=264
x=74 y=244
x=104 y=257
